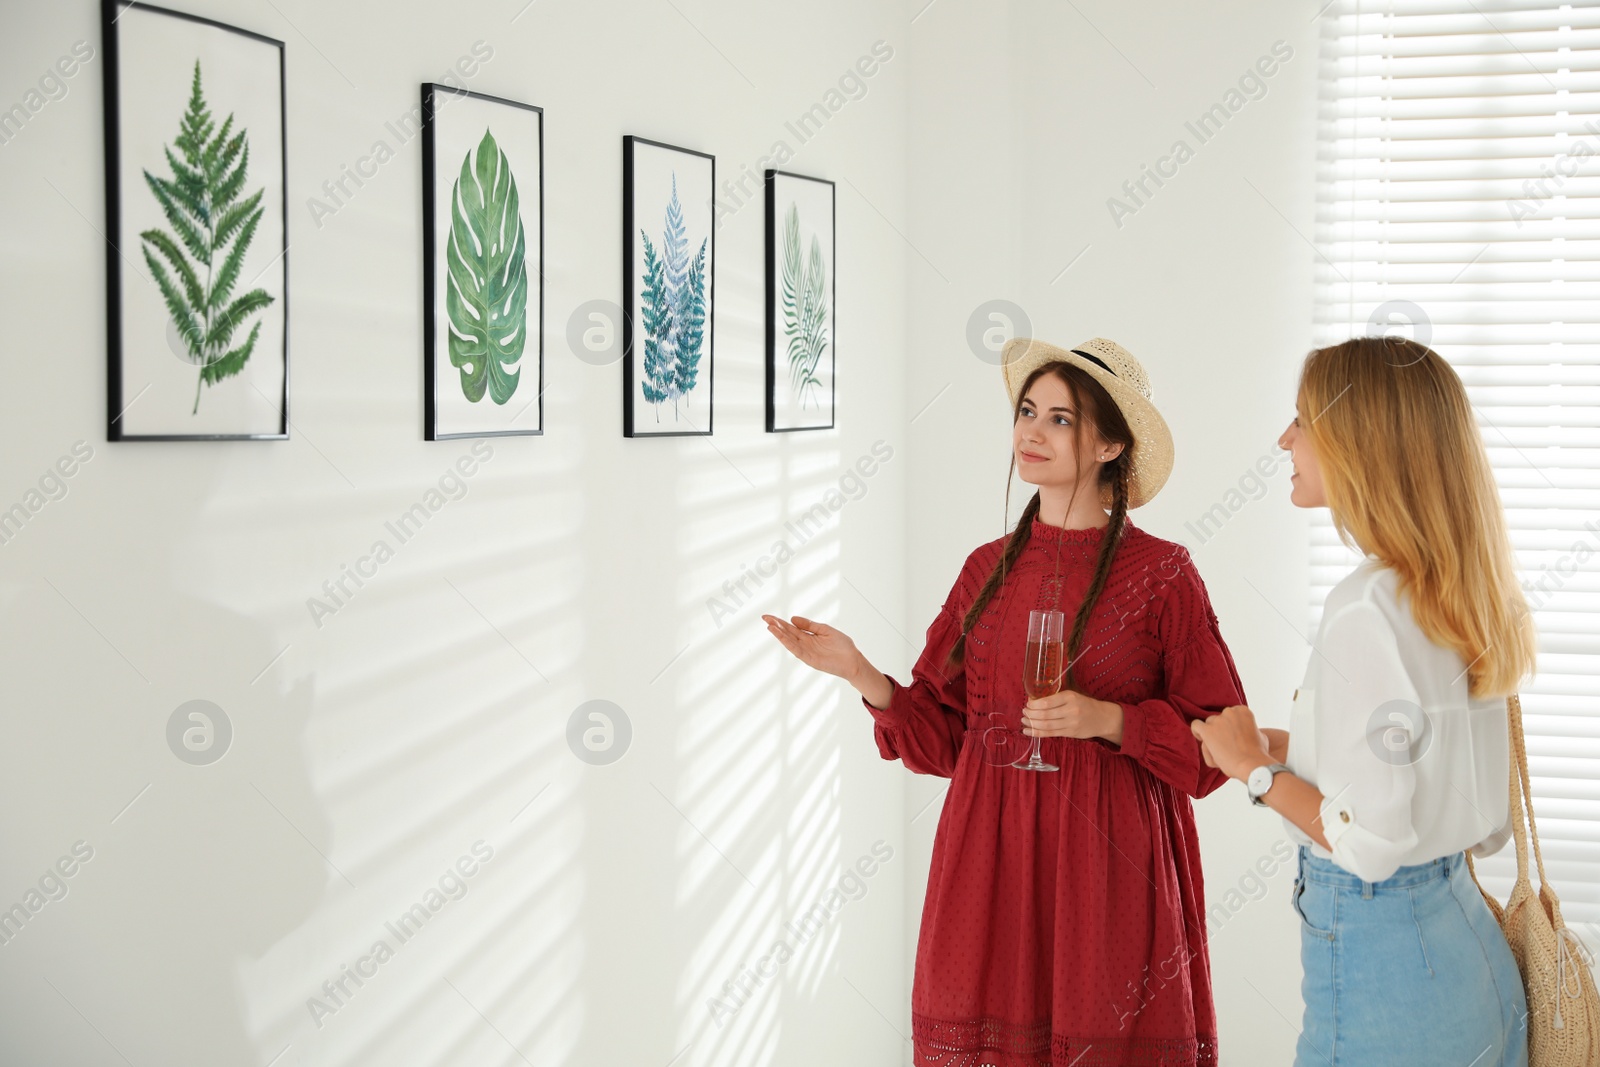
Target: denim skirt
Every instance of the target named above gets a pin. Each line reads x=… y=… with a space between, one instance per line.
x=1408 y=971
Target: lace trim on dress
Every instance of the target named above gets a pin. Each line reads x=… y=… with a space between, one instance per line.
x=1044 y=531
x=996 y=1043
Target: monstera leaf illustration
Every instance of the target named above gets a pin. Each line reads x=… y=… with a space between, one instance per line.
x=201 y=202
x=486 y=298
x=805 y=308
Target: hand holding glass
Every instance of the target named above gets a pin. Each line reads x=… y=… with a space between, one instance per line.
x=1043 y=670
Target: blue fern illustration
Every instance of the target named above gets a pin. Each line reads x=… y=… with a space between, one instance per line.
x=690 y=324
x=674 y=245
x=673 y=311
x=656 y=318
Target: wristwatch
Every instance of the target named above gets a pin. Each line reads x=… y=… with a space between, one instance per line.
x=1260 y=781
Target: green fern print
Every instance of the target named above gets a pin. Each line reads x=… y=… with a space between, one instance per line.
x=197 y=269
x=805 y=308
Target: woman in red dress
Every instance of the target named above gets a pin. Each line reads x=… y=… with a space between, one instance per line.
x=1064 y=924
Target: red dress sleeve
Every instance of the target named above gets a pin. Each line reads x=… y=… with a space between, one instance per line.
x=1198 y=680
x=924 y=724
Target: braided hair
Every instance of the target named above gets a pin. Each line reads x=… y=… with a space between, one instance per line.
x=1095 y=408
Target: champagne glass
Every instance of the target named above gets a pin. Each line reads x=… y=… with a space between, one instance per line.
x=1042 y=670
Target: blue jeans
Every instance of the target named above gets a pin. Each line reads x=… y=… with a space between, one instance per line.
x=1408 y=971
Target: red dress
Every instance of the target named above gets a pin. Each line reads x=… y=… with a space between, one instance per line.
x=1064 y=924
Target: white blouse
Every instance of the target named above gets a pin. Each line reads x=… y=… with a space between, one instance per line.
x=1410 y=767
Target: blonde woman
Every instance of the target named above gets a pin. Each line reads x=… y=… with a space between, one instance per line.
x=1064 y=921
x=1396 y=761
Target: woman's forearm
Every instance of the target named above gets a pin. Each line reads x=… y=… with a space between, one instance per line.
x=872 y=683
x=1300 y=802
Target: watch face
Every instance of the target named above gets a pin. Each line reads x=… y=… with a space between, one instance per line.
x=1260 y=781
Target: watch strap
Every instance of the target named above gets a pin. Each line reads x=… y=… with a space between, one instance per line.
x=1272 y=769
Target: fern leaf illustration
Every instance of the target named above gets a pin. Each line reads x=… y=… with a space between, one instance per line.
x=198 y=203
x=656 y=318
x=675 y=246
x=814 y=321
x=691 y=326
x=791 y=289
x=805 y=311
x=231 y=363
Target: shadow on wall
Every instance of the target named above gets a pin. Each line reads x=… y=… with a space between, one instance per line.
x=760 y=842
x=435 y=752
x=193 y=855
x=757 y=751
x=228 y=911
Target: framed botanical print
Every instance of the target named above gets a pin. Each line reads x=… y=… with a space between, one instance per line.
x=669 y=264
x=801 y=302
x=483 y=265
x=197 y=265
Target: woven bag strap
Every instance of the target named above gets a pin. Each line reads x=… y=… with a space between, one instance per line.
x=1515 y=807
x=1519 y=761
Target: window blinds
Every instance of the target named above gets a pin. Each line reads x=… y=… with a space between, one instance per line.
x=1458 y=202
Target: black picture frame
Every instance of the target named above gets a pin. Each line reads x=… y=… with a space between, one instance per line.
x=117 y=404
x=630 y=291
x=771 y=175
x=432 y=103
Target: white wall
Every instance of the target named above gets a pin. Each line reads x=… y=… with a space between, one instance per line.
x=370 y=753
x=431 y=712
x=1026 y=117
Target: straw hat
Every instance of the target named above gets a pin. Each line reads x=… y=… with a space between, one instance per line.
x=1115 y=368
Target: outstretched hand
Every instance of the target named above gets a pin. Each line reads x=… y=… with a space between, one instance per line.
x=816 y=644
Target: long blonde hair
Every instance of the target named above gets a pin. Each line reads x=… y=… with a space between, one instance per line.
x=1408 y=480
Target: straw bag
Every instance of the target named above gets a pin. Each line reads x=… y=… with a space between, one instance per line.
x=1563 y=1007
